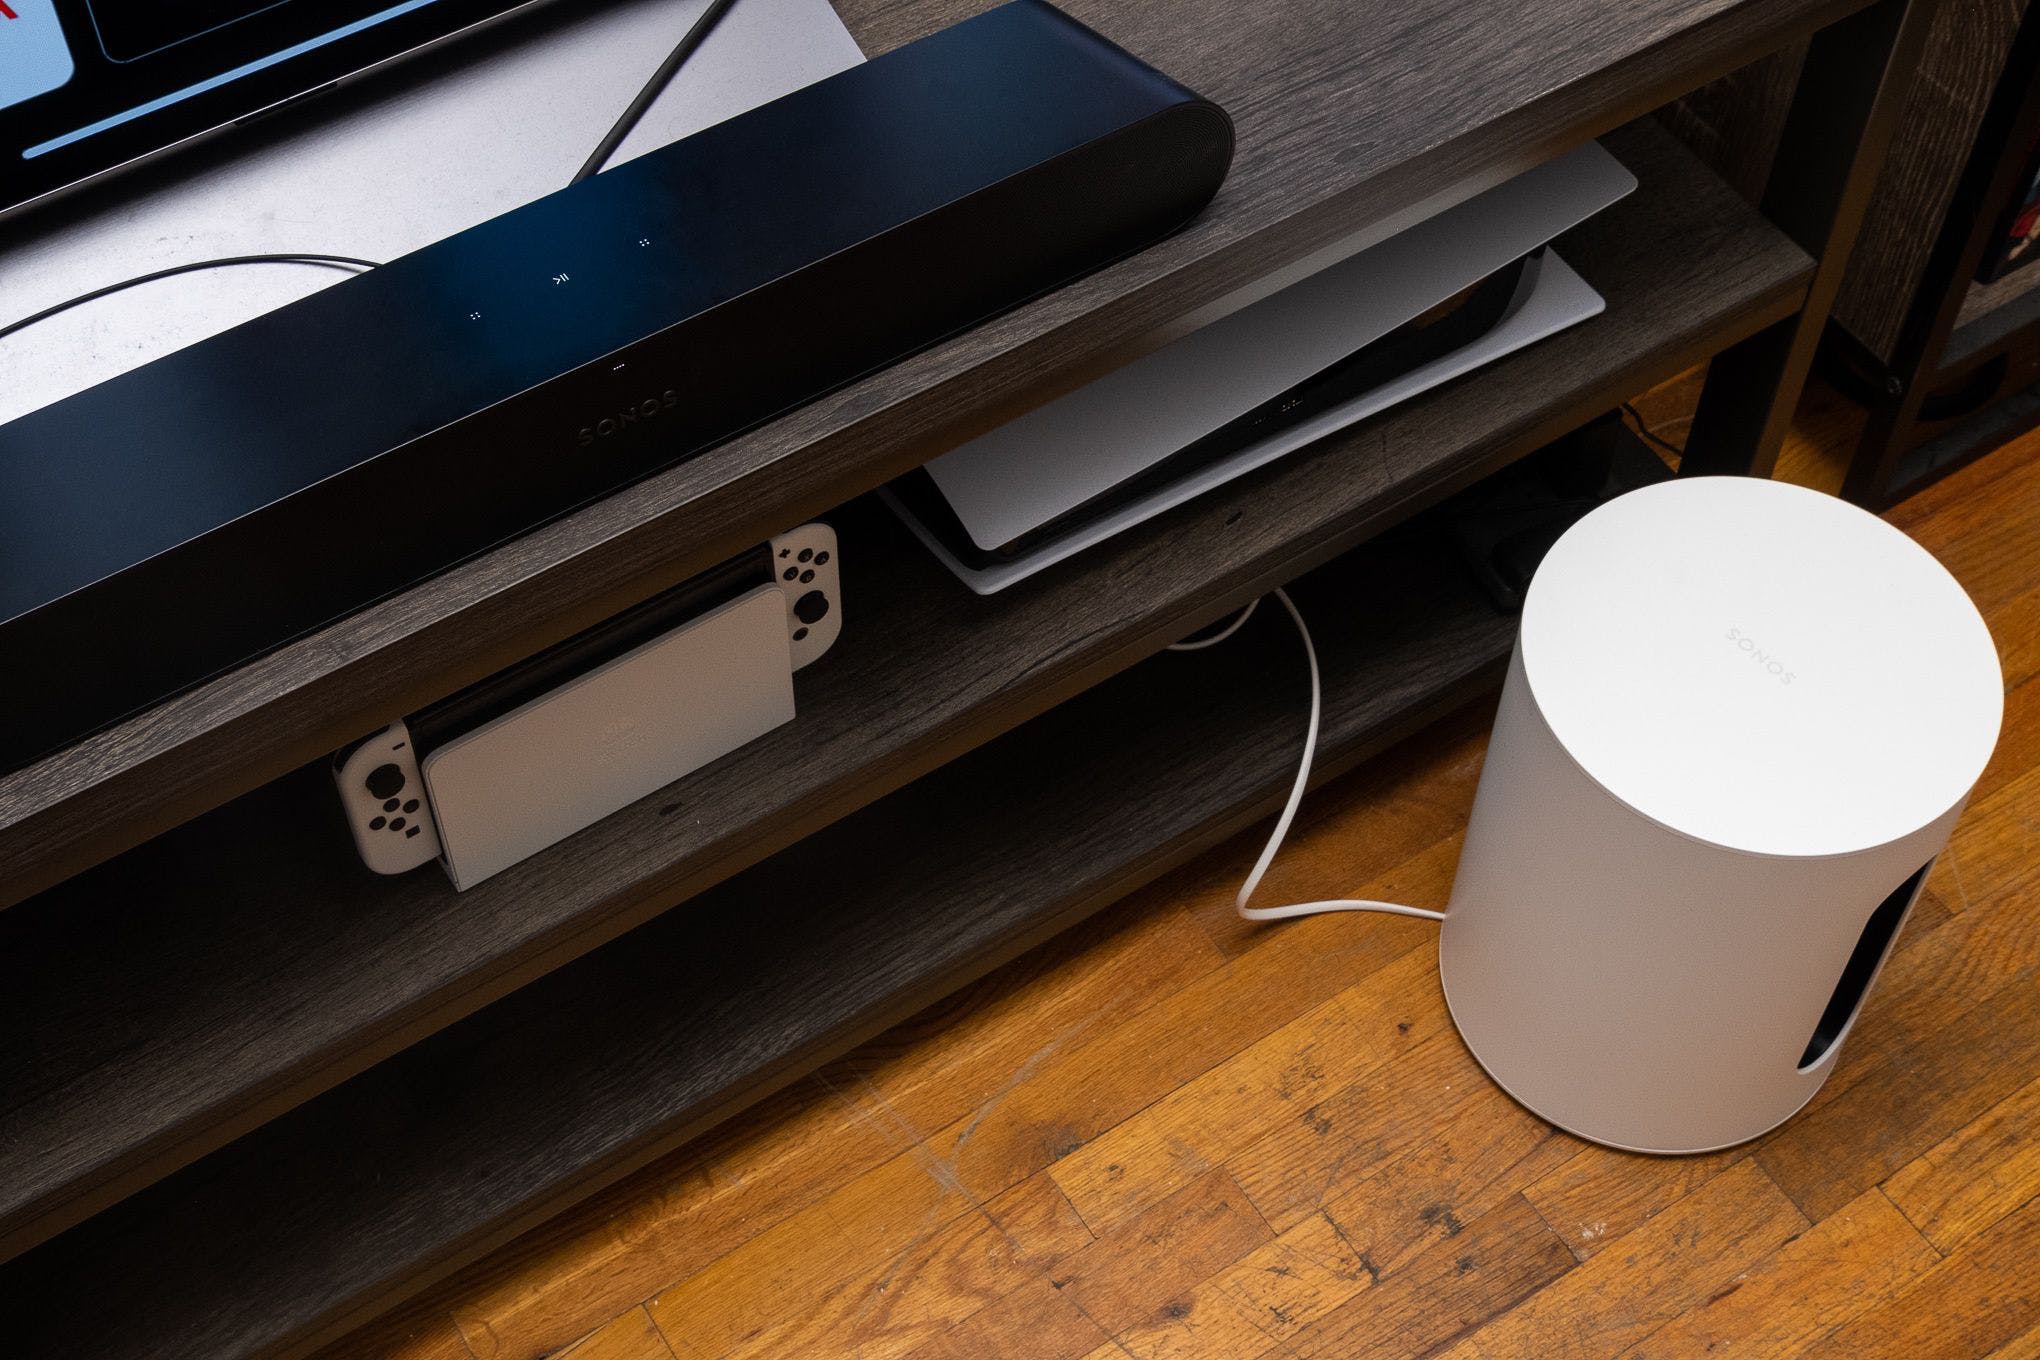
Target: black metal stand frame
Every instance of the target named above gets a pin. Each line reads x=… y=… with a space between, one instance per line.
x=1850 y=91
x=1949 y=394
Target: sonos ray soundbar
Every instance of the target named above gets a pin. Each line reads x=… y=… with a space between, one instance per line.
x=202 y=509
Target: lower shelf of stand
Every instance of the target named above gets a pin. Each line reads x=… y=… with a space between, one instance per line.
x=253 y=965
x=1969 y=437
x=1992 y=315
x=337 y=1210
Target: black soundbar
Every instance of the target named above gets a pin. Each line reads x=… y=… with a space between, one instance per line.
x=207 y=507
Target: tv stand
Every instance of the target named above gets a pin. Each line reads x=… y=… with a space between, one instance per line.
x=273 y=1096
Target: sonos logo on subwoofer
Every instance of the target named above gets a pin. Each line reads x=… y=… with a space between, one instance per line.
x=622 y=420
x=619 y=732
x=1760 y=656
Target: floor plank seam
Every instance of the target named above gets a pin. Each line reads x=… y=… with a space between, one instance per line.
x=1899 y=1209
x=1579 y=1256
x=1472 y=1329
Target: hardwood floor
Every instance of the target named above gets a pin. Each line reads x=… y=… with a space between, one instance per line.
x=1171 y=1134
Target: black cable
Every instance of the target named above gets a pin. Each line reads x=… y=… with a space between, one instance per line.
x=1650 y=435
x=321 y=261
x=677 y=58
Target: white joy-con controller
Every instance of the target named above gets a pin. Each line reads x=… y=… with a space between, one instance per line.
x=805 y=568
x=384 y=797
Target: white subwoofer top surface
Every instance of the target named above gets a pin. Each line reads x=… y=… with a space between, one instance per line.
x=1762 y=667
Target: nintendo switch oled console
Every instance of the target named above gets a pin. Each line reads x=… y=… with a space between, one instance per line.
x=491 y=775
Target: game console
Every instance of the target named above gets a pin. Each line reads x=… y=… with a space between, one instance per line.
x=315 y=459
x=495 y=773
x=1320 y=354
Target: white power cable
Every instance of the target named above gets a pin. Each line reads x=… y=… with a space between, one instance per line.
x=1296 y=790
x=1239 y=622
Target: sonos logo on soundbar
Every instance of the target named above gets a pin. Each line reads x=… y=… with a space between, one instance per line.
x=1764 y=658
x=627 y=417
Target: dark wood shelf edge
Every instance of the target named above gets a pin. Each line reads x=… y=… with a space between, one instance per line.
x=2010 y=324
x=1965 y=441
x=1981 y=299
x=1549 y=394
x=195 y=753
x=312 y=1225
x=2008 y=334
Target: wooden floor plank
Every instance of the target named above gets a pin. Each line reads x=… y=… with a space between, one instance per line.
x=1682 y=1257
x=1982 y=1297
x=632 y=1336
x=948 y=1060
x=2015 y=626
x=909 y=1298
x=2018 y=748
x=1050 y=1321
x=1848 y=1262
x=1451 y=1288
x=1983 y=1053
x=805 y=1259
x=1997 y=842
x=2025 y=1347
x=1932 y=975
x=1137 y=1272
x=1991 y=946
x=424 y=1331
x=1119 y=1070
x=1357 y=1239
x=1275 y=1079
x=673 y=1220
x=677 y=1218
x=1976 y=1175
x=1600 y=1194
x=1312 y=1157
x=1980 y=524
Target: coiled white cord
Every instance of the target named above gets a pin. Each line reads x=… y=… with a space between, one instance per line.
x=1296 y=791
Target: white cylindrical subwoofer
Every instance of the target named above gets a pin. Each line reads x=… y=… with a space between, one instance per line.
x=1741 y=720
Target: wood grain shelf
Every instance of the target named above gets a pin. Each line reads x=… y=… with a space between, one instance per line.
x=1349 y=123
x=251 y=963
x=1994 y=318
x=1940 y=362
x=1981 y=299
x=307 y=1226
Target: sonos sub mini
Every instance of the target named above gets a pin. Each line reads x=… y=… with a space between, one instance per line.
x=207 y=507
